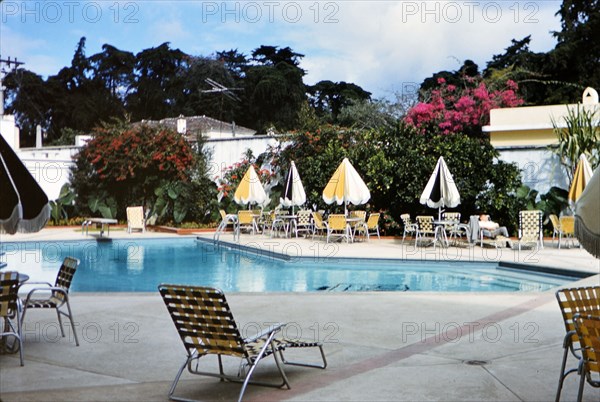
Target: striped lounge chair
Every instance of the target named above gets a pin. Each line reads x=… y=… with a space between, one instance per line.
x=207 y=327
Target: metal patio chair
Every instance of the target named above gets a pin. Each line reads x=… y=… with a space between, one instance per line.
x=55 y=297
x=530 y=228
x=587 y=328
x=425 y=229
x=206 y=326
x=409 y=226
x=573 y=301
x=136 y=219
x=371 y=226
x=10 y=310
x=304 y=222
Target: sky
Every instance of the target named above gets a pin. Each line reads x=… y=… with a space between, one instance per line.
x=386 y=47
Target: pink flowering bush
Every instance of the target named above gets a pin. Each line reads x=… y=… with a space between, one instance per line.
x=451 y=110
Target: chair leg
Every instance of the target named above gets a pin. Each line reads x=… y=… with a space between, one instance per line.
x=176 y=380
x=581 y=381
x=72 y=323
x=60 y=324
x=563 y=375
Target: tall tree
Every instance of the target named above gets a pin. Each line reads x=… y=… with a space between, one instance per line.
x=329 y=98
x=577 y=53
x=158 y=88
x=274 y=89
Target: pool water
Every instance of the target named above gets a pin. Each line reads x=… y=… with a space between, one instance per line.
x=140 y=265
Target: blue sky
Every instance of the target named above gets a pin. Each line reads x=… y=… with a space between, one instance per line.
x=383 y=46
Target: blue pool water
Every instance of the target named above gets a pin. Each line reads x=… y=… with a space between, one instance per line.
x=140 y=265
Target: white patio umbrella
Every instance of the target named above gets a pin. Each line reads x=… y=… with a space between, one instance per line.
x=582 y=176
x=346 y=186
x=250 y=190
x=293 y=193
x=440 y=191
x=587 y=216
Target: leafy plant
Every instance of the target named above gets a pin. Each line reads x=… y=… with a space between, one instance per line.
x=104 y=204
x=61 y=204
x=580 y=136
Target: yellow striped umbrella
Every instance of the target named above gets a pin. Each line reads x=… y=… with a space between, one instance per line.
x=582 y=176
x=250 y=190
x=346 y=186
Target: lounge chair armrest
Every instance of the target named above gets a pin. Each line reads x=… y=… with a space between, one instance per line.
x=38 y=283
x=45 y=289
x=266 y=332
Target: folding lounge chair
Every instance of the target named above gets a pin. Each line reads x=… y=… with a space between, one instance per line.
x=587 y=328
x=55 y=297
x=135 y=219
x=530 y=228
x=9 y=309
x=319 y=225
x=563 y=226
x=574 y=301
x=425 y=228
x=207 y=327
x=371 y=226
x=337 y=225
x=304 y=222
x=409 y=226
x=357 y=225
x=245 y=220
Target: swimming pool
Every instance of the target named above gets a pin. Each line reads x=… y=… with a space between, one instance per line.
x=140 y=265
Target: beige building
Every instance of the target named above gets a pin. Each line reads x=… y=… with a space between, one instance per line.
x=533 y=125
x=525 y=136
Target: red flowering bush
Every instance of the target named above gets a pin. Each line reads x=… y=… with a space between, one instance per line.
x=135 y=152
x=450 y=110
x=126 y=165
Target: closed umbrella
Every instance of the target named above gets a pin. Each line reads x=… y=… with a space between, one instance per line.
x=440 y=191
x=23 y=204
x=250 y=190
x=587 y=216
x=582 y=176
x=346 y=186
x=293 y=194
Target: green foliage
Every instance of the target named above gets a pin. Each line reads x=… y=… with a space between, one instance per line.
x=396 y=164
x=60 y=206
x=104 y=204
x=580 y=136
x=555 y=201
x=127 y=165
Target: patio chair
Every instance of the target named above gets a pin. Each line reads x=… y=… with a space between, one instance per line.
x=424 y=228
x=54 y=297
x=319 y=225
x=567 y=226
x=371 y=226
x=587 y=328
x=573 y=301
x=304 y=222
x=246 y=220
x=361 y=217
x=409 y=226
x=337 y=225
x=530 y=228
x=206 y=326
x=10 y=311
x=136 y=219
x=555 y=228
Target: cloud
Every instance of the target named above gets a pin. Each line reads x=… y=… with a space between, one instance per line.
x=379 y=45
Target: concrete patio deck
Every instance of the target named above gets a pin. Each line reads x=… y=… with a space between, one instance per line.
x=417 y=346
